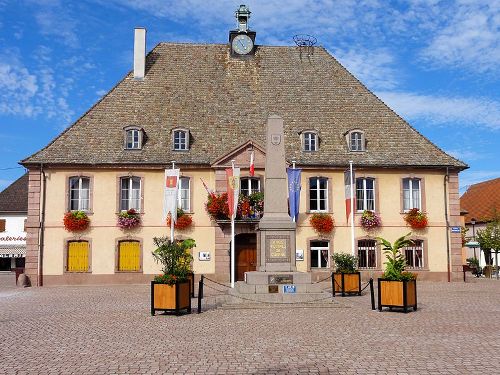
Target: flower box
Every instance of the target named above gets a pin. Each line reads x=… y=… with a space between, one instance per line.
x=347 y=283
x=322 y=223
x=172 y=298
x=401 y=294
x=184 y=221
x=416 y=219
x=129 y=219
x=76 y=221
x=370 y=220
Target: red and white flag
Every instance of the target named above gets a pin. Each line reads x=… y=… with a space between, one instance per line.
x=233 y=189
x=252 y=165
x=209 y=191
x=348 y=196
x=170 y=193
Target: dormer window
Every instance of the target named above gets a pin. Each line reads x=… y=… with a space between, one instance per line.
x=133 y=138
x=181 y=139
x=356 y=140
x=309 y=141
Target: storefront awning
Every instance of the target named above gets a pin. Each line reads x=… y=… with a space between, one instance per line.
x=12 y=251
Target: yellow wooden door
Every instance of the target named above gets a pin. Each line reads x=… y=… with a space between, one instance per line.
x=78 y=256
x=129 y=256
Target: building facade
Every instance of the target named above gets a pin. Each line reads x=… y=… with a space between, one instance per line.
x=204 y=105
x=13 y=214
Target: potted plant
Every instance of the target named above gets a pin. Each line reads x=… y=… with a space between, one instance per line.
x=396 y=287
x=416 y=219
x=322 y=223
x=129 y=219
x=76 y=221
x=184 y=221
x=256 y=204
x=171 y=291
x=370 y=220
x=346 y=277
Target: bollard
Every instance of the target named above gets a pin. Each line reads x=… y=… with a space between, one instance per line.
x=200 y=292
x=372 y=293
x=333 y=285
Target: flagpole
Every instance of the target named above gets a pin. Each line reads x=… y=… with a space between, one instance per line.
x=172 y=215
x=232 y=235
x=352 y=208
x=293 y=167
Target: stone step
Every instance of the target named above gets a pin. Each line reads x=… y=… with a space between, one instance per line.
x=238 y=298
x=245 y=288
x=297 y=305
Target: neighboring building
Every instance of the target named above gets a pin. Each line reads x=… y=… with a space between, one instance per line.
x=203 y=105
x=13 y=214
x=481 y=202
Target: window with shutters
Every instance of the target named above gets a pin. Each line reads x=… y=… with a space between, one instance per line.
x=129 y=256
x=2 y=225
x=78 y=255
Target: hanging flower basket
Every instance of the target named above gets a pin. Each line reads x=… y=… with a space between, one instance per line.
x=370 y=220
x=129 y=219
x=76 y=221
x=184 y=221
x=322 y=223
x=217 y=206
x=416 y=219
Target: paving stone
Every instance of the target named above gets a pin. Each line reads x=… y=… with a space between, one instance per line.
x=109 y=330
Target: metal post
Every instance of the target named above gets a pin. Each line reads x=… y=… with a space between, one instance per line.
x=352 y=209
x=232 y=236
x=172 y=215
x=200 y=292
x=372 y=293
x=333 y=284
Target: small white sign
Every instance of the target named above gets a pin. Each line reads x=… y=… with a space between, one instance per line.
x=299 y=254
x=204 y=255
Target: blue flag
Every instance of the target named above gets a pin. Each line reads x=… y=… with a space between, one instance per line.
x=294 y=191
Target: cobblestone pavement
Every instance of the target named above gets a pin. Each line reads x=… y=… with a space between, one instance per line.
x=109 y=330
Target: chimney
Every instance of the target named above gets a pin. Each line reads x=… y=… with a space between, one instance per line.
x=139 y=52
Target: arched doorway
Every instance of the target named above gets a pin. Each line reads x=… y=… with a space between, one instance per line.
x=245 y=254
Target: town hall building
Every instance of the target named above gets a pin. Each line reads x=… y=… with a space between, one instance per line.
x=202 y=106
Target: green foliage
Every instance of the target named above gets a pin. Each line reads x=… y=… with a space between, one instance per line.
x=175 y=258
x=489 y=237
x=396 y=262
x=345 y=263
x=473 y=262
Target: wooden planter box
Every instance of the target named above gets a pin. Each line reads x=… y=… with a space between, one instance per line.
x=191 y=278
x=173 y=298
x=397 y=294
x=347 y=283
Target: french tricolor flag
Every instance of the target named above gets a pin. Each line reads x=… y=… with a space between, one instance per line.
x=252 y=165
x=349 y=193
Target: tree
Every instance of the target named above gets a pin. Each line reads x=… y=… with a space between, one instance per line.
x=489 y=239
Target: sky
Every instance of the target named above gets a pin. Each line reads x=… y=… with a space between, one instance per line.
x=436 y=63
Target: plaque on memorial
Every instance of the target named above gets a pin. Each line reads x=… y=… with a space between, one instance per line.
x=280 y=279
x=273 y=289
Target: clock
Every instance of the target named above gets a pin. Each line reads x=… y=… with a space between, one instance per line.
x=242 y=44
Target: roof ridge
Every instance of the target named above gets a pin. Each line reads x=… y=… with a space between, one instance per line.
x=389 y=108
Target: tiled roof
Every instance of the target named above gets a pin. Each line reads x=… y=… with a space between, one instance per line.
x=15 y=196
x=225 y=101
x=481 y=200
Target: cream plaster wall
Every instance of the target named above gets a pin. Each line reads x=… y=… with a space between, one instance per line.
x=103 y=230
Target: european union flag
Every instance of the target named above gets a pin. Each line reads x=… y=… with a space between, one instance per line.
x=294 y=191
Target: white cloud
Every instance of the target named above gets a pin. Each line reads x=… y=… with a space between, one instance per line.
x=373 y=68
x=442 y=109
x=470 y=38
x=55 y=21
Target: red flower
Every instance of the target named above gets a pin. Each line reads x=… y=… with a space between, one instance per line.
x=183 y=221
x=76 y=221
x=416 y=219
x=322 y=223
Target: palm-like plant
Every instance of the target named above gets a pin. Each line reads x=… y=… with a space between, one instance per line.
x=396 y=262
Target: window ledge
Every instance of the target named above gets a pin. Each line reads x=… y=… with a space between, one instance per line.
x=116 y=271
x=76 y=272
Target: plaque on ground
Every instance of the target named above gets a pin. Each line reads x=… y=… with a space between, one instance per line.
x=280 y=279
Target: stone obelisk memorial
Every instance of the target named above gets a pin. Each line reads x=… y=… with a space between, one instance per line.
x=277 y=231
x=276 y=275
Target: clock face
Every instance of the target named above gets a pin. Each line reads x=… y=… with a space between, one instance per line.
x=242 y=44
